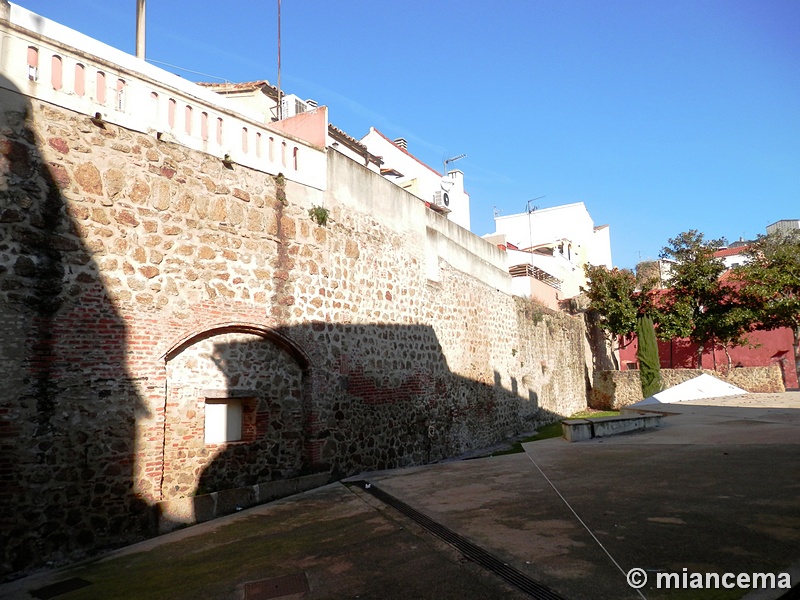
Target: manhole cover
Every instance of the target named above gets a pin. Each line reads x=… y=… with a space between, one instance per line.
x=276 y=587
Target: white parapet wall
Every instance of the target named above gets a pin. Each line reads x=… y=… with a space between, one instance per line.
x=53 y=63
x=49 y=62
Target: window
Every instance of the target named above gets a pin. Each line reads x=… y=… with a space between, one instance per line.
x=223 y=420
x=56 y=73
x=154 y=112
x=80 y=80
x=204 y=126
x=294 y=158
x=33 y=63
x=258 y=144
x=244 y=140
x=230 y=420
x=120 y=95
x=219 y=131
x=100 y=91
x=187 y=125
x=172 y=107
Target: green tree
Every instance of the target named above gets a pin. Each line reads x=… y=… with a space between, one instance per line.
x=612 y=293
x=621 y=298
x=698 y=302
x=649 y=363
x=770 y=283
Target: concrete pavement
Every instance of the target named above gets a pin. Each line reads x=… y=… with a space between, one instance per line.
x=715 y=490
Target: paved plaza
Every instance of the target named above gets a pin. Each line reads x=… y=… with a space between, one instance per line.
x=716 y=489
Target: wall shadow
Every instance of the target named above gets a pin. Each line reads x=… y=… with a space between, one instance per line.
x=68 y=407
x=82 y=438
x=376 y=396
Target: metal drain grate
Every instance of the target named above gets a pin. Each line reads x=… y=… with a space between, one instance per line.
x=276 y=587
x=62 y=587
x=475 y=553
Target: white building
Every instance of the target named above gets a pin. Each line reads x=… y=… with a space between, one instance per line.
x=784 y=225
x=444 y=194
x=299 y=118
x=547 y=249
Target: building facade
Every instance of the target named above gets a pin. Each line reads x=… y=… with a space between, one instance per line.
x=442 y=193
x=546 y=250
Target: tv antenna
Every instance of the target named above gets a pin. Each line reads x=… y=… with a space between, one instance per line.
x=531 y=209
x=453 y=159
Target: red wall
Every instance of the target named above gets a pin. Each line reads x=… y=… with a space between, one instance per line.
x=768 y=348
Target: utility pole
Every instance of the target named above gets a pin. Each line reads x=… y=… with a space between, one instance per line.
x=280 y=104
x=140 y=34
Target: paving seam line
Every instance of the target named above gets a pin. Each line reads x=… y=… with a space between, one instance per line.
x=585 y=526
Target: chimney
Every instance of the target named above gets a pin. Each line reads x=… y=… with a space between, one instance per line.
x=401 y=143
x=5 y=10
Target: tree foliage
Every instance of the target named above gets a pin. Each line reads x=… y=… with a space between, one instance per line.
x=770 y=283
x=612 y=293
x=649 y=363
x=698 y=303
x=771 y=279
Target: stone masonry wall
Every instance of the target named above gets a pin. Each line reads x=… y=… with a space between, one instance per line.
x=140 y=280
x=614 y=389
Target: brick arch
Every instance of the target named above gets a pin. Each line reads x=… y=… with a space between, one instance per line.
x=277 y=337
x=267 y=385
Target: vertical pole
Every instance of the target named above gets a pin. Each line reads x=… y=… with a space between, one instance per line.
x=140 y=20
x=280 y=103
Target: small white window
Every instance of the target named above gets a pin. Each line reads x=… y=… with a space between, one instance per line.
x=120 y=95
x=223 y=420
x=33 y=63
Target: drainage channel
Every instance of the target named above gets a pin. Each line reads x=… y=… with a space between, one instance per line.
x=475 y=553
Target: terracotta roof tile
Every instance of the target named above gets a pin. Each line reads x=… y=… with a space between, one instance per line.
x=407 y=152
x=724 y=252
x=245 y=86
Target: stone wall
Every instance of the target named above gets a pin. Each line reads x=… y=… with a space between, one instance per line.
x=140 y=280
x=612 y=390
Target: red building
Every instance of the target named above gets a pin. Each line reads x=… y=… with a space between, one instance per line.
x=766 y=348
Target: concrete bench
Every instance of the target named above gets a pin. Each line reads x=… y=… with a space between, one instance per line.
x=578 y=430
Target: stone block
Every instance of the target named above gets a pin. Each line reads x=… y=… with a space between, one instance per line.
x=576 y=430
x=205 y=507
x=309 y=482
x=605 y=426
x=230 y=501
x=272 y=490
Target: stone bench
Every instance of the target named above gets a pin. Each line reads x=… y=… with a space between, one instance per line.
x=578 y=430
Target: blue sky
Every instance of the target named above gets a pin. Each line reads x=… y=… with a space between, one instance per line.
x=660 y=115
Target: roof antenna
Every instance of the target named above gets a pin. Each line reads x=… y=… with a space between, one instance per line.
x=530 y=210
x=447 y=161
